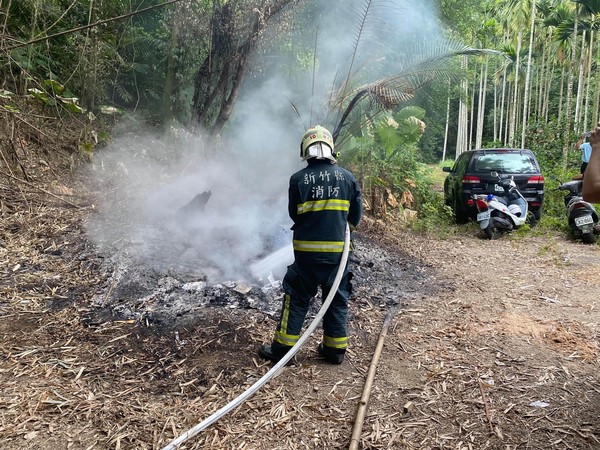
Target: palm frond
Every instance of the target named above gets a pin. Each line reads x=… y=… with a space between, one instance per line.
x=360 y=27
x=370 y=23
x=564 y=31
x=295 y=109
x=557 y=15
x=545 y=8
x=431 y=62
x=122 y=92
x=388 y=97
x=589 y=7
x=314 y=69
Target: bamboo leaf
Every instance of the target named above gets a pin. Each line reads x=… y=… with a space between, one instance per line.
x=53 y=86
x=70 y=104
x=39 y=95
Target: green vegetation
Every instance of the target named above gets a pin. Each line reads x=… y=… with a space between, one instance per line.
x=519 y=73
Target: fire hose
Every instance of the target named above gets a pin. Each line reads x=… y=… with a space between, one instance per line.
x=277 y=367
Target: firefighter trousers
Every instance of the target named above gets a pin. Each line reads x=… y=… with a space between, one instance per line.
x=300 y=285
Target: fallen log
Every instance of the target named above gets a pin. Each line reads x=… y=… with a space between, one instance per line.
x=195 y=206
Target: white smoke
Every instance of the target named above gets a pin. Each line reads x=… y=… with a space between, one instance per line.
x=146 y=178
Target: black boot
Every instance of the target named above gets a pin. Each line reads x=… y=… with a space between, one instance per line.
x=274 y=352
x=331 y=355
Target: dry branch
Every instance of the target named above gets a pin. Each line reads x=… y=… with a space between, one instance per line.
x=39 y=189
x=364 y=401
x=91 y=25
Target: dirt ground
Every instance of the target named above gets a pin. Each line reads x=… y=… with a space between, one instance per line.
x=493 y=345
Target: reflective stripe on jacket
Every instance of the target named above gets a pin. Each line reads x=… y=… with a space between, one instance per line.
x=324 y=205
x=322 y=198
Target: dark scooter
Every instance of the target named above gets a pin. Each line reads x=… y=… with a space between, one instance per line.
x=582 y=216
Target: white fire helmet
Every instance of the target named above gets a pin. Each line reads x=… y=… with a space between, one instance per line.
x=317 y=142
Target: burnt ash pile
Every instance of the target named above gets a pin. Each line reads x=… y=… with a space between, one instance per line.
x=167 y=261
x=169 y=295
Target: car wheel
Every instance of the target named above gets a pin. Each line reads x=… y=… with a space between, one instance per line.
x=459 y=215
x=537 y=214
x=532 y=218
x=588 y=238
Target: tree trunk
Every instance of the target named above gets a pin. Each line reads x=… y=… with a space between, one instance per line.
x=580 y=83
x=461 y=129
x=472 y=122
x=168 y=90
x=597 y=90
x=461 y=135
x=92 y=44
x=570 y=76
x=517 y=118
x=532 y=93
x=561 y=94
x=507 y=120
x=220 y=77
x=481 y=107
x=513 y=119
x=495 y=111
x=5 y=21
x=526 y=92
x=541 y=92
x=229 y=100
x=502 y=135
x=447 y=125
x=30 y=50
x=588 y=83
x=479 y=100
x=548 y=78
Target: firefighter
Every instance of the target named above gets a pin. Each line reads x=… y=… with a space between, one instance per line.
x=322 y=198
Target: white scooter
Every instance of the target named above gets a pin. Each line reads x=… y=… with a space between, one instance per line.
x=498 y=214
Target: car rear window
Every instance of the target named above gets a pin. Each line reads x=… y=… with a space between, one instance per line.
x=504 y=162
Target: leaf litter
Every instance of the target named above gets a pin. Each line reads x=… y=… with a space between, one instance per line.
x=479 y=340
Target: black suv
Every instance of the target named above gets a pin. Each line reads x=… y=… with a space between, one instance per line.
x=471 y=174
